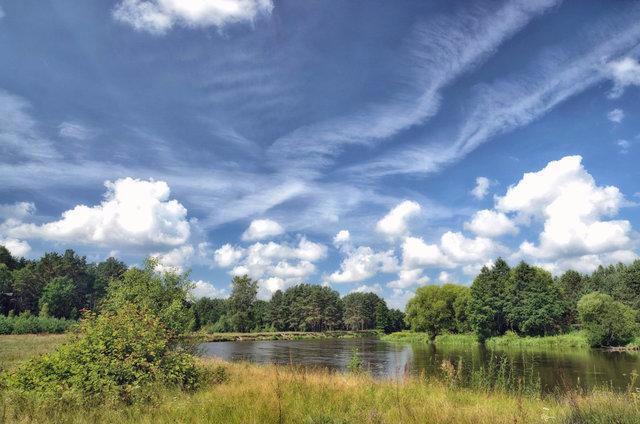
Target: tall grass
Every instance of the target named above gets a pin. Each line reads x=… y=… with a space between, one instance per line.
x=276 y=394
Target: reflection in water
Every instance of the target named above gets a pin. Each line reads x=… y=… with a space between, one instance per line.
x=556 y=369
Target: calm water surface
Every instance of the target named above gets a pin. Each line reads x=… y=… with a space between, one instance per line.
x=557 y=370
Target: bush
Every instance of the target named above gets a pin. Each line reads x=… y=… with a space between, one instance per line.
x=119 y=356
x=606 y=321
x=26 y=323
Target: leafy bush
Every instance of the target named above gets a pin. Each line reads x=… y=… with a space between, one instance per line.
x=26 y=323
x=606 y=322
x=118 y=356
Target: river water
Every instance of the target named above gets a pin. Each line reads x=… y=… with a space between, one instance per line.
x=556 y=370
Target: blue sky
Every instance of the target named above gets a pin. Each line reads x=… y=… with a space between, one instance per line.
x=364 y=145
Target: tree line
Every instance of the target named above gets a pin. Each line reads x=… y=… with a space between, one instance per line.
x=529 y=301
x=63 y=285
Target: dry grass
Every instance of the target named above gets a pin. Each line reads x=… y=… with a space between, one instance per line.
x=17 y=348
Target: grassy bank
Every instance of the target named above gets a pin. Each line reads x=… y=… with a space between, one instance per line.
x=284 y=335
x=277 y=394
x=576 y=340
x=272 y=394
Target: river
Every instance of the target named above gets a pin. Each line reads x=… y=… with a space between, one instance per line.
x=556 y=370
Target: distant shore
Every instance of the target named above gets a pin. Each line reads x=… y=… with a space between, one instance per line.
x=285 y=335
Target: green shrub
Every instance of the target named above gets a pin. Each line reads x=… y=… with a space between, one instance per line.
x=606 y=321
x=26 y=323
x=118 y=356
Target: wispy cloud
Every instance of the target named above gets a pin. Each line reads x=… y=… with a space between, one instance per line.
x=440 y=50
x=517 y=100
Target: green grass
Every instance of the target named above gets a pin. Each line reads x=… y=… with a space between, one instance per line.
x=277 y=394
x=442 y=339
x=17 y=348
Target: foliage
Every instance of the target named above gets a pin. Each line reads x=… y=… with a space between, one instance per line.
x=306 y=307
x=208 y=311
x=432 y=309
x=355 y=364
x=571 y=285
x=118 y=356
x=241 y=302
x=59 y=298
x=606 y=321
x=488 y=305
x=534 y=305
x=26 y=323
x=6 y=288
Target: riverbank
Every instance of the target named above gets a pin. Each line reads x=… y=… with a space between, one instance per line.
x=277 y=394
x=284 y=335
x=282 y=394
x=575 y=340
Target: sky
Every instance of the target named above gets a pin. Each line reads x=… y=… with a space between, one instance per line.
x=364 y=145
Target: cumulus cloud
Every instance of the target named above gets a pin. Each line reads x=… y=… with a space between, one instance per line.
x=362 y=263
x=175 y=259
x=274 y=265
x=17 y=247
x=158 y=16
x=18 y=210
x=444 y=277
x=228 y=255
x=565 y=197
x=394 y=224
x=262 y=228
x=482 y=188
x=408 y=278
x=342 y=237
x=375 y=288
x=624 y=72
x=203 y=288
x=489 y=223
x=134 y=212
x=615 y=115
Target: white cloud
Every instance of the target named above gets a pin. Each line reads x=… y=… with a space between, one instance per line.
x=134 y=212
x=228 y=255
x=17 y=247
x=18 y=210
x=444 y=277
x=206 y=289
x=408 y=278
x=416 y=254
x=399 y=298
x=2 y=15
x=342 y=237
x=362 y=263
x=175 y=259
x=262 y=228
x=566 y=198
x=376 y=288
x=624 y=72
x=158 y=16
x=482 y=188
x=615 y=115
x=394 y=224
x=274 y=265
x=489 y=223
x=75 y=130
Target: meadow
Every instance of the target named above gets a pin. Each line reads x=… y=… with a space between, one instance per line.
x=281 y=394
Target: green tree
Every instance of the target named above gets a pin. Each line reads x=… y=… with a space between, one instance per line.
x=101 y=275
x=432 y=309
x=396 y=321
x=27 y=288
x=488 y=304
x=360 y=310
x=535 y=307
x=606 y=321
x=208 y=311
x=571 y=287
x=7 y=258
x=6 y=289
x=243 y=296
x=59 y=298
x=163 y=294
